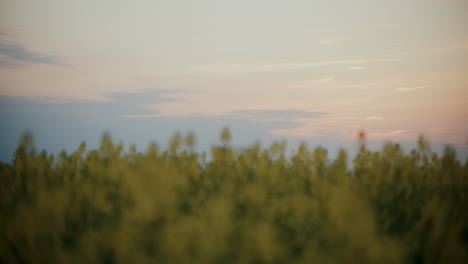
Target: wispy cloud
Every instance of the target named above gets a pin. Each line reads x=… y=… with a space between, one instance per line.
x=337 y=117
x=13 y=54
x=356 y=68
x=326 y=79
x=115 y=105
x=275 y=67
x=412 y=88
x=142 y=104
x=276 y=115
x=312 y=83
x=375 y=118
x=391 y=135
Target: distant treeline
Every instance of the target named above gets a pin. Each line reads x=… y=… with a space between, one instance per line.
x=115 y=205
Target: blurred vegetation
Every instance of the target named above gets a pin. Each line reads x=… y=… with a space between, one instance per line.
x=253 y=206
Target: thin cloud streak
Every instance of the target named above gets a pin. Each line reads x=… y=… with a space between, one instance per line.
x=400 y=134
x=376 y=118
x=276 y=115
x=326 y=79
x=414 y=88
x=15 y=54
x=274 y=67
x=356 y=68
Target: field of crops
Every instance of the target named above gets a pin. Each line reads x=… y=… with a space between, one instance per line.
x=115 y=205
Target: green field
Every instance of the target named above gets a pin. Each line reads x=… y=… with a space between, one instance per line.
x=115 y=205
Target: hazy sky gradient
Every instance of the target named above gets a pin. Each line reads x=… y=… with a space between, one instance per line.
x=327 y=69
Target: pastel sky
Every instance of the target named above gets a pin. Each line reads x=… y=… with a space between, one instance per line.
x=311 y=70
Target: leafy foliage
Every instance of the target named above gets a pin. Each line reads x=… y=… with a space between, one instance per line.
x=250 y=206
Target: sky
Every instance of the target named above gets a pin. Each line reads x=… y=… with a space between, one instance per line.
x=314 y=71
